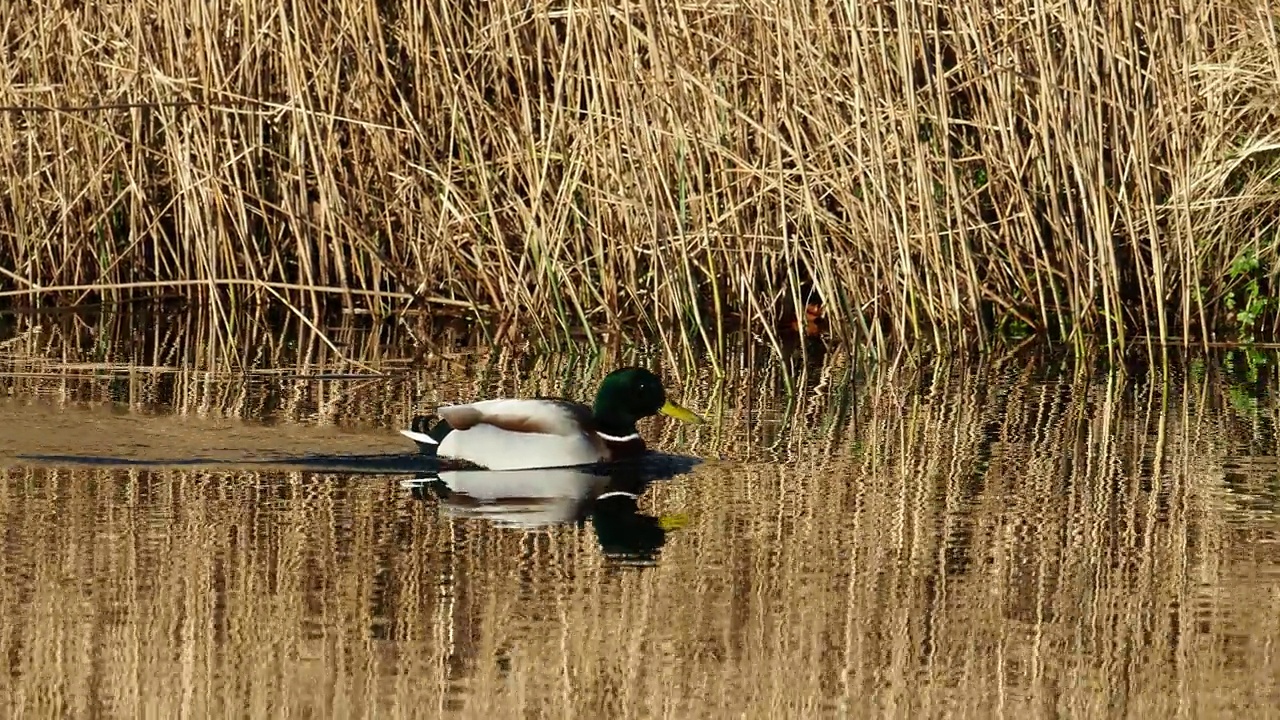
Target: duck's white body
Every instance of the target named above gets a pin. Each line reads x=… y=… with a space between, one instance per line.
x=518 y=434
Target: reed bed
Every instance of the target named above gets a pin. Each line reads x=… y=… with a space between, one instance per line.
x=942 y=173
x=944 y=541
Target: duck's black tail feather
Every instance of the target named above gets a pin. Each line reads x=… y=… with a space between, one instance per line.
x=425 y=434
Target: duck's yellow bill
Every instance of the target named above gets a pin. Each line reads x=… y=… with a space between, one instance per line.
x=676 y=521
x=673 y=410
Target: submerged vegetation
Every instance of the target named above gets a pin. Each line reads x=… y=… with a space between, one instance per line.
x=948 y=174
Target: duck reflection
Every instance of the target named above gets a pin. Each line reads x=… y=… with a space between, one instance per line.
x=607 y=497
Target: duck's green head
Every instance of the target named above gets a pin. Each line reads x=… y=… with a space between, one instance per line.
x=630 y=394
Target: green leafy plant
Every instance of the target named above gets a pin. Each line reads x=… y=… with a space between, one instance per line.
x=1249 y=302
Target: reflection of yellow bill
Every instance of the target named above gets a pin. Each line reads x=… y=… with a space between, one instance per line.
x=673 y=410
x=673 y=522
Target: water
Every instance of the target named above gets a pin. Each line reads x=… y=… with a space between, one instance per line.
x=198 y=525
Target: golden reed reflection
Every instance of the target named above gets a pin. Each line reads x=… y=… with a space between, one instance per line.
x=914 y=541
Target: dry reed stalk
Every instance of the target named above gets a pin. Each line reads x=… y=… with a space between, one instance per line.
x=939 y=173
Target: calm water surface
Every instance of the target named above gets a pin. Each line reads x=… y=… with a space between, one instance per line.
x=197 y=526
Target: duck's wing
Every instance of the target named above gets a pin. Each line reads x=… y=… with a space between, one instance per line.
x=550 y=416
x=511 y=434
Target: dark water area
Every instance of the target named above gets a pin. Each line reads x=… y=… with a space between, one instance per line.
x=202 y=518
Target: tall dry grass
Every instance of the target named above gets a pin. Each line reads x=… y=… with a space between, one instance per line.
x=943 y=541
x=932 y=172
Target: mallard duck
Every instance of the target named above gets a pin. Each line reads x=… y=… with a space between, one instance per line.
x=524 y=434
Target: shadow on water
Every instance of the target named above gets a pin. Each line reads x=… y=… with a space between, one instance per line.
x=606 y=496
x=351 y=464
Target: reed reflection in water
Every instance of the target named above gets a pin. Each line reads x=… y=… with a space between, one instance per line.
x=961 y=541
